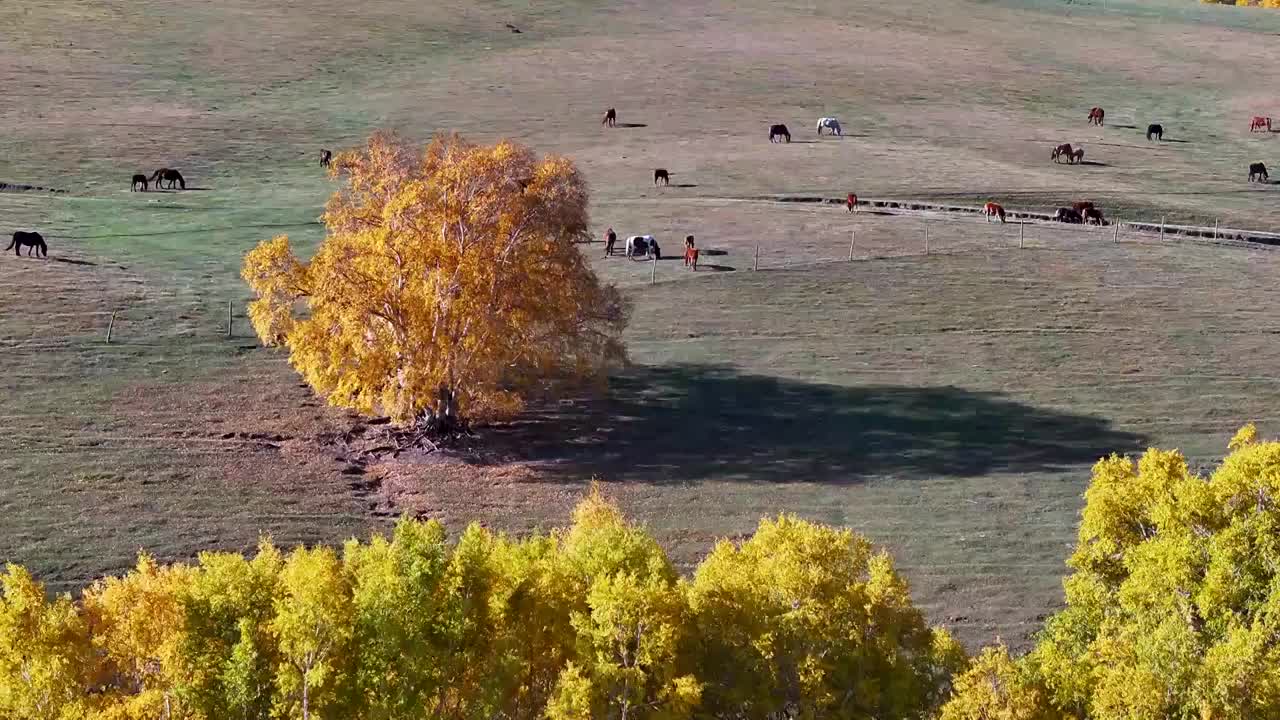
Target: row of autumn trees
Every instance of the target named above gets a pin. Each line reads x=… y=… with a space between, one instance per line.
x=1172 y=611
x=586 y=623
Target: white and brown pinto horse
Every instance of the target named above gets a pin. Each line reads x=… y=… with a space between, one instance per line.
x=831 y=124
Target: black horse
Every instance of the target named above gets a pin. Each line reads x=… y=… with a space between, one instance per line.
x=663 y=175
x=326 y=158
x=138 y=179
x=168 y=175
x=1258 y=171
x=31 y=239
x=1155 y=131
x=610 y=118
x=779 y=131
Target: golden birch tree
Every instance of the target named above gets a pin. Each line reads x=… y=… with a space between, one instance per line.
x=449 y=284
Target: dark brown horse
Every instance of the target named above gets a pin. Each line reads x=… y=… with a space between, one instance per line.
x=1076 y=157
x=1068 y=215
x=663 y=175
x=326 y=158
x=1096 y=116
x=1156 y=131
x=168 y=175
x=138 y=179
x=30 y=239
x=1093 y=216
x=1059 y=151
x=780 y=132
x=1081 y=205
x=1258 y=171
x=610 y=118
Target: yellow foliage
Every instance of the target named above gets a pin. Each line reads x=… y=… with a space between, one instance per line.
x=449 y=282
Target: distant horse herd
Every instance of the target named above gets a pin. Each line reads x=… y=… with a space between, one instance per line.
x=647 y=246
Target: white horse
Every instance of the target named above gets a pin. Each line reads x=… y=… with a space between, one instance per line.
x=831 y=124
x=643 y=243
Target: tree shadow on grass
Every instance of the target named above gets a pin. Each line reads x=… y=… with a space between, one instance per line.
x=684 y=423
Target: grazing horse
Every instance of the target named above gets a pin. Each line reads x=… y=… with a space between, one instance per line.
x=1081 y=205
x=138 y=179
x=167 y=174
x=1096 y=116
x=610 y=118
x=1259 y=123
x=1092 y=215
x=779 y=131
x=690 y=253
x=1059 y=151
x=1076 y=157
x=1068 y=215
x=851 y=202
x=663 y=175
x=831 y=124
x=1258 y=171
x=639 y=245
x=31 y=239
x=1155 y=130
x=326 y=158
x=993 y=210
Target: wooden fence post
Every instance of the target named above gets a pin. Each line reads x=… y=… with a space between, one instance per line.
x=756 y=264
x=926 y=238
x=1162 y=228
x=1215 y=228
x=1022 y=233
x=229 y=317
x=852 y=238
x=1115 y=239
x=111 y=326
x=653 y=275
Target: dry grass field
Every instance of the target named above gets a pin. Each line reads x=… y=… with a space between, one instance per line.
x=948 y=406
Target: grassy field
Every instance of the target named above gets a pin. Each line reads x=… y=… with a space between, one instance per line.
x=948 y=406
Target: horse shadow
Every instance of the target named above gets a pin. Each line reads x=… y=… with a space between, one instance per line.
x=800 y=142
x=631 y=125
x=682 y=185
x=1124 y=127
x=710 y=252
x=1093 y=163
x=1171 y=140
x=716 y=268
x=72 y=261
x=679 y=423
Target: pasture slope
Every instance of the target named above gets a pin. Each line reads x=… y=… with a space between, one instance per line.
x=948 y=406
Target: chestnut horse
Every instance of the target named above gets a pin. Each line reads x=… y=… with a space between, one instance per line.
x=851 y=202
x=993 y=210
x=1096 y=116
x=1081 y=205
x=690 y=253
x=1259 y=123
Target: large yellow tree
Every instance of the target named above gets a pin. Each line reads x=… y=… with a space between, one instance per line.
x=449 y=284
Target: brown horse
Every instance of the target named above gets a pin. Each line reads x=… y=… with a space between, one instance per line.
x=1068 y=215
x=690 y=253
x=663 y=175
x=779 y=131
x=171 y=176
x=610 y=118
x=851 y=202
x=326 y=158
x=993 y=210
x=1258 y=171
x=1059 y=151
x=1096 y=116
x=1081 y=205
x=138 y=179
x=1092 y=215
x=1076 y=157
x=1259 y=122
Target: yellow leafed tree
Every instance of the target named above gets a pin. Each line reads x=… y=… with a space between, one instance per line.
x=449 y=284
